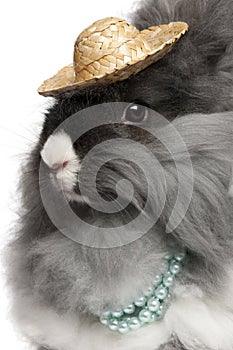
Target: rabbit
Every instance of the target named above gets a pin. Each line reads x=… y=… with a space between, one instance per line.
x=59 y=286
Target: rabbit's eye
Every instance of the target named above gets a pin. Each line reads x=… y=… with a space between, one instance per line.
x=135 y=114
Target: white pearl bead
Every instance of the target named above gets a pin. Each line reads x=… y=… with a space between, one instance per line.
x=180 y=257
x=157 y=280
x=123 y=327
x=149 y=292
x=161 y=292
x=160 y=312
x=175 y=267
x=140 y=302
x=104 y=320
x=113 y=324
x=153 y=304
x=168 y=280
x=145 y=316
x=168 y=257
x=117 y=313
x=129 y=309
x=134 y=323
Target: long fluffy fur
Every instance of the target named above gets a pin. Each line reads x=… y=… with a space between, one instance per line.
x=58 y=286
x=201 y=64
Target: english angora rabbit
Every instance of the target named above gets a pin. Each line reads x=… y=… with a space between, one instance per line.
x=66 y=294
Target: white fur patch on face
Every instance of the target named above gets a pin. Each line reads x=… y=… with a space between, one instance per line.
x=57 y=151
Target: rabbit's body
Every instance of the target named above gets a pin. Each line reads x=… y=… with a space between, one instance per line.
x=59 y=286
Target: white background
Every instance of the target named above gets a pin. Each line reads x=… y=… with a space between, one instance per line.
x=36 y=41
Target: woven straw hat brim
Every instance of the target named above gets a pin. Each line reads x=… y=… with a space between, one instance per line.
x=149 y=46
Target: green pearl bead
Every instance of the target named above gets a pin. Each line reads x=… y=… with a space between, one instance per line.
x=140 y=302
x=145 y=315
x=160 y=312
x=129 y=309
x=123 y=327
x=157 y=280
x=168 y=257
x=117 y=313
x=180 y=257
x=113 y=324
x=168 y=280
x=175 y=267
x=149 y=292
x=134 y=323
x=104 y=320
x=153 y=304
x=161 y=292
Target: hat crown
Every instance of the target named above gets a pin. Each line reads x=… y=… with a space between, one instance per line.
x=101 y=39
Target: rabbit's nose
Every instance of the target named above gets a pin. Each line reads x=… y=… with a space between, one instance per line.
x=58 y=166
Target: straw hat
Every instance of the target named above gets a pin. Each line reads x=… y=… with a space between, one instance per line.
x=111 y=50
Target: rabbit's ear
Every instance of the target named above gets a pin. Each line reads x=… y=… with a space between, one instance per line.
x=210 y=23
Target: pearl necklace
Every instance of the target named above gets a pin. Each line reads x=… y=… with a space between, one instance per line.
x=149 y=307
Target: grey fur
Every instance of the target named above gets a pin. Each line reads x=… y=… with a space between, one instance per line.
x=201 y=63
x=195 y=77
